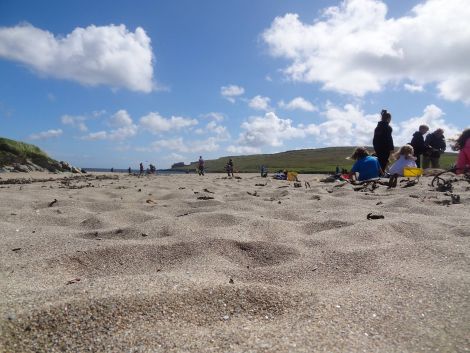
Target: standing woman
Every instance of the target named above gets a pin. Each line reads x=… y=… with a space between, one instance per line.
x=463 y=146
x=383 y=141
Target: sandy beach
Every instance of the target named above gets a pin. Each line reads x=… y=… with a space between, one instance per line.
x=182 y=263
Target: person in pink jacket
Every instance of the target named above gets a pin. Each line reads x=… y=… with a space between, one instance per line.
x=463 y=146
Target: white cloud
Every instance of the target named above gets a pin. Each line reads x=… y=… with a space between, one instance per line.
x=298 y=103
x=122 y=148
x=179 y=145
x=413 y=88
x=346 y=126
x=95 y=55
x=259 y=103
x=214 y=116
x=93 y=136
x=243 y=149
x=342 y=126
x=353 y=48
x=46 y=134
x=98 y=113
x=121 y=119
x=231 y=92
x=213 y=127
x=175 y=156
x=221 y=132
x=75 y=121
x=351 y=126
x=155 y=123
x=269 y=130
x=123 y=133
x=432 y=116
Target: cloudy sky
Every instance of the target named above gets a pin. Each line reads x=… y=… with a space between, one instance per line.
x=112 y=83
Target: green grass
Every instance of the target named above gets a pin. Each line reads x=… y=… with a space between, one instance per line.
x=19 y=152
x=321 y=160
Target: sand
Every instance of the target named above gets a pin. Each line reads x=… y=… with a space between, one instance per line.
x=124 y=263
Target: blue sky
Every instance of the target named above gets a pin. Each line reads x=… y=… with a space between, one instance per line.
x=113 y=83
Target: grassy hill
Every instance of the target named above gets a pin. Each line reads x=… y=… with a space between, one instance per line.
x=321 y=160
x=15 y=152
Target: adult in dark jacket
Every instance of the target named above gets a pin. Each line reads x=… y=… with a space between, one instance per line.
x=435 y=145
x=383 y=141
x=418 y=143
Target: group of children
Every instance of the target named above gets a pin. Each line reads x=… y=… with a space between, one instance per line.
x=368 y=167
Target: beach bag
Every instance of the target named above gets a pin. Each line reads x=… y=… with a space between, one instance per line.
x=292 y=176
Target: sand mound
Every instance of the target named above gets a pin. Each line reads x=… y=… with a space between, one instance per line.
x=78 y=325
x=144 y=264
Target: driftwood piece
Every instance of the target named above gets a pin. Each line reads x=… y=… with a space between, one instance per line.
x=375 y=216
x=205 y=198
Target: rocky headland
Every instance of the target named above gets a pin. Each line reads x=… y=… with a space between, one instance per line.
x=23 y=157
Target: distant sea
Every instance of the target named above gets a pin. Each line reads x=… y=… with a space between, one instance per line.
x=115 y=170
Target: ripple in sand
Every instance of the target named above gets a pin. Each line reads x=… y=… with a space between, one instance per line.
x=315 y=227
x=130 y=216
x=415 y=231
x=130 y=259
x=115 y=234
x=92 y=222
x=461 y=231
x=218 y=220
x=170 y=196
x=342 y=266
x=255 y=253
x=204 y=203
x=103 y=206
x=104 y=323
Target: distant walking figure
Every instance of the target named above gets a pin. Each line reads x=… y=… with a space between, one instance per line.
x=435 y=145
x=229 y=167
x=264 y=171
x=141 y=168
x=129 y=170
x=417 y=142
x=383 y=141
x=201 y=166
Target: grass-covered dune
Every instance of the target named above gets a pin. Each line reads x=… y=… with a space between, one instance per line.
x=14 y=152
x=321 y=160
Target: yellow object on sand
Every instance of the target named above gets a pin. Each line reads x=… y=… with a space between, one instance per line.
x=412 y=172
x=292 y=176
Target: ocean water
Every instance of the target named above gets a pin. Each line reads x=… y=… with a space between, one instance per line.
x=159 y=171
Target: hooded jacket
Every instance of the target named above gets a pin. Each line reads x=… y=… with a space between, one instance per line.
x=435 y=145
x=383 y=141
x=418 y=143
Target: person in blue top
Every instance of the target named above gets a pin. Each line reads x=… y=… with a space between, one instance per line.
x=366 y=166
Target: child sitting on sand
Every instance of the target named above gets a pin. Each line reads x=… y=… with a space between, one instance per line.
x=405 y=159
x=463 y=146
x=367 y=166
